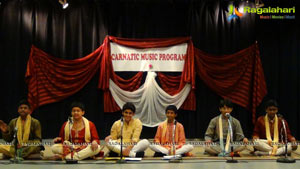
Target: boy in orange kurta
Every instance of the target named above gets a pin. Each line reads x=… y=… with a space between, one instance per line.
x=163 y=141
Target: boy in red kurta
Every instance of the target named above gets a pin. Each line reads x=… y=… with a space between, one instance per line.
x=267 y=132
x=85 y=140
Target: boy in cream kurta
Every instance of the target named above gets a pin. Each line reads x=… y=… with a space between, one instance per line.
x=132 y=145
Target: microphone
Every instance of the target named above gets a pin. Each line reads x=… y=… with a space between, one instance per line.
x=121 y=160
x=15 y=142
x=280 y=116
x=71 y=161
x=15 y=132
x=284 y=159
x=231 y=139
x=175 y=158
x=122 y=122
x=70 y=119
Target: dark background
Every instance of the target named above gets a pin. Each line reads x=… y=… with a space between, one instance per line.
x=80 y=29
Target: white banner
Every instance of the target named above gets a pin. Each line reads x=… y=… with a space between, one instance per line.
x=165 y=59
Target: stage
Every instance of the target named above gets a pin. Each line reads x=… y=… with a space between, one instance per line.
x=200 y=159
x=150 y=164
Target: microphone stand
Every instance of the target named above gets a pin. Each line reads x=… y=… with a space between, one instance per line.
x=231 y=138
x=285 y=159
x=174 y=159
x=71 y=161
x=16 y=158
x=121 y=160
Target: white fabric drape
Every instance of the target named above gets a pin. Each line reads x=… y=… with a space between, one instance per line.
x=150 y=100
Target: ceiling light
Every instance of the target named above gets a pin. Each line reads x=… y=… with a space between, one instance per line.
x=64 y=3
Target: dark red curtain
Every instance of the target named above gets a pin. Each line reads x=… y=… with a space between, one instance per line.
x=238 y=77
x=51 y=79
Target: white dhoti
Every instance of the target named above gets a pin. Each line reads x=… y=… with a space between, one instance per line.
x=216 y=149
x=262 y=145
x=115 y=146
x=182 y=150
x=82 y=154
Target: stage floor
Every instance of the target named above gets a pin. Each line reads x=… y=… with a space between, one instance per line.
x=198 y=151
x=152 y=164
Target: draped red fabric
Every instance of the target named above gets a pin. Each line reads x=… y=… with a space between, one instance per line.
x=107 y=72
x=131 y=84
x=52 y=79
x=173 y=85
x=238 y=77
